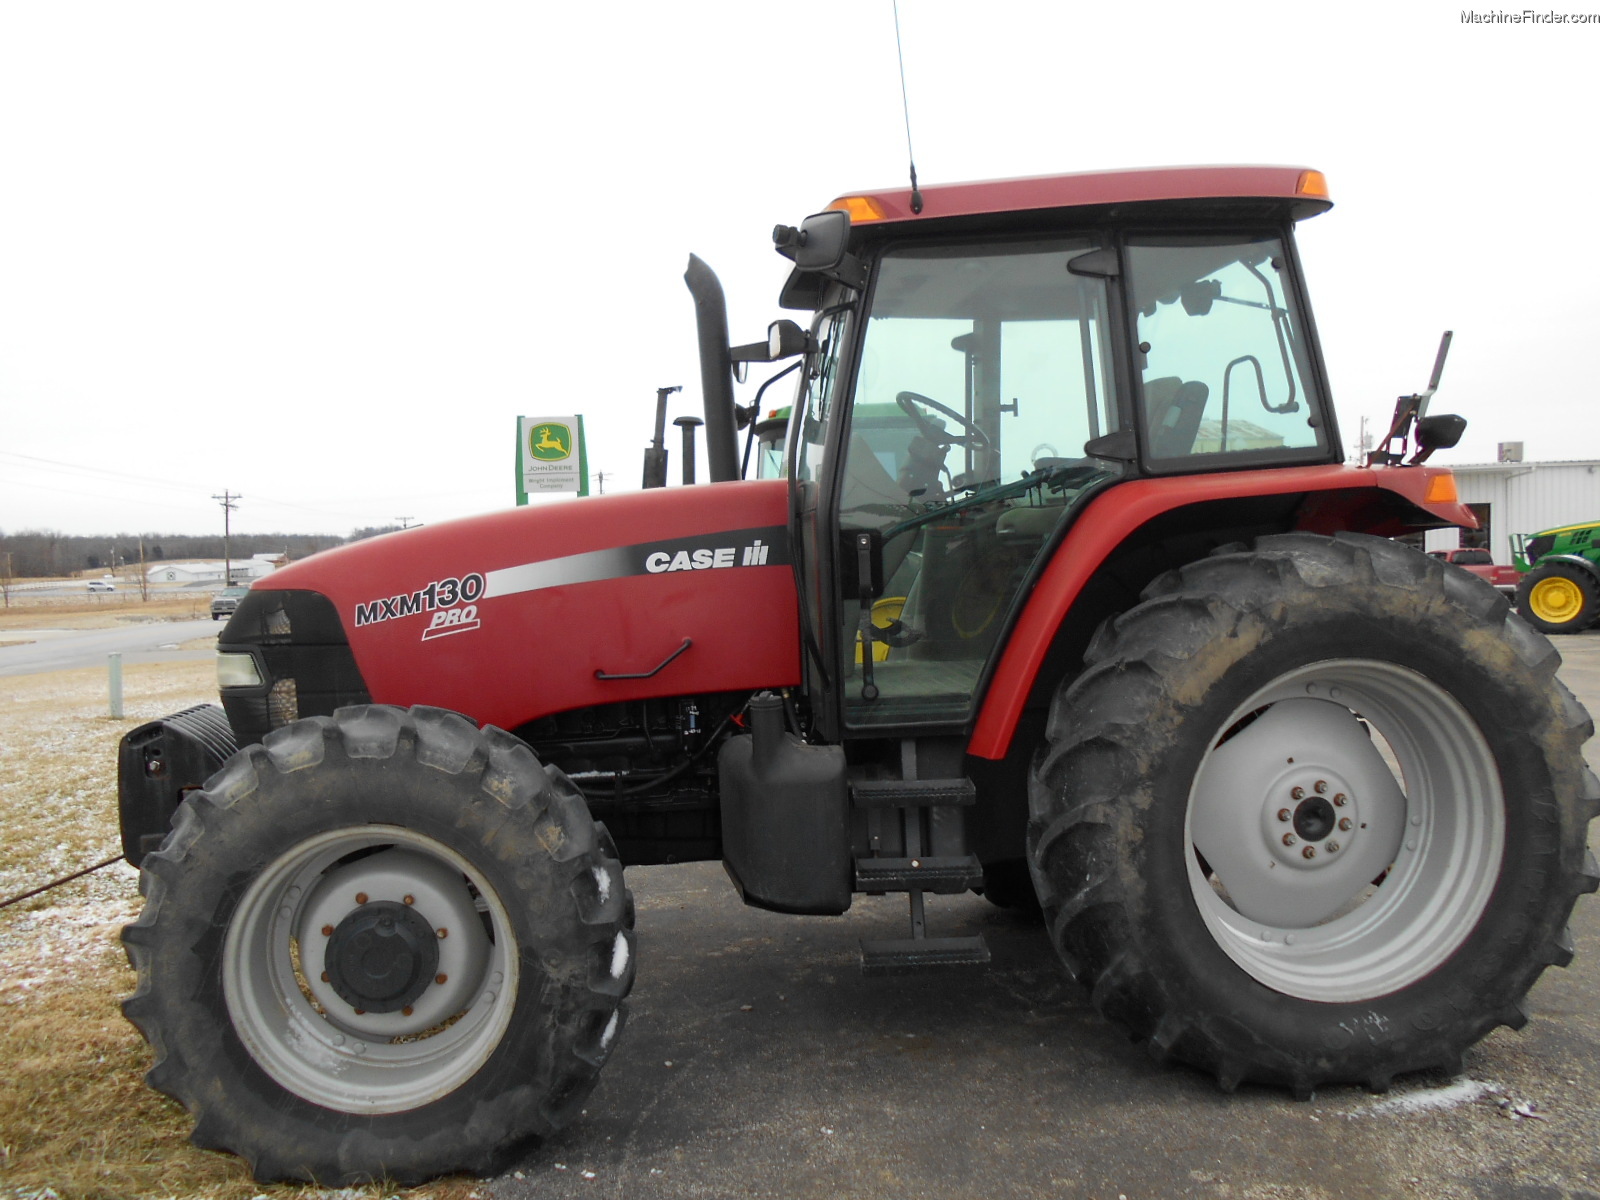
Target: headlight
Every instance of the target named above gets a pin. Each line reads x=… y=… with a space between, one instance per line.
x=237 y=670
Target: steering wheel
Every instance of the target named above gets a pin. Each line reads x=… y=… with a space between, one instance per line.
x=973 y=437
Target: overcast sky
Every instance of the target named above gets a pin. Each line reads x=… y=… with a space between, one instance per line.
x=322 y=255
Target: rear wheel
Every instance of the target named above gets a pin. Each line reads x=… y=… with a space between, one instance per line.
x=1558 y=598
x=1314 y=814
x=382 y=945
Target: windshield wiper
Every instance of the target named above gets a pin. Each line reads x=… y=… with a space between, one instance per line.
x=1057 y=478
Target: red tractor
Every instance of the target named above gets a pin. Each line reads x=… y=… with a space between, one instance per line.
x=1064 y=596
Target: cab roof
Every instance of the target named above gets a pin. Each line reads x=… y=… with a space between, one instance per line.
x=1304 y=190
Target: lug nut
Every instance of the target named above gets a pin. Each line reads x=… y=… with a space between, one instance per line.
x=408 y=899
x=1338 y=799
x=1332 y=846
x=1344 y=824
x=361 y=897
x=444 y=933
x=406 y=1011
x=1322 y=786
x=325 y=978
x=440 y=978
x=1297 y=793
x=1289 y=839
x=1309 y=852
x=327 y=931
x=1284 y=814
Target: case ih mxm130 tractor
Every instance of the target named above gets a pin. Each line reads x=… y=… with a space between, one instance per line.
x=1083 y=613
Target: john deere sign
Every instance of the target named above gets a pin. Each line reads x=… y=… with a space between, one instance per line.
x=551 y=456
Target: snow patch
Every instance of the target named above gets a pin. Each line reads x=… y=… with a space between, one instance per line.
x=1452 y=1095
x=602 y=881
x=605 y=1037
x=619 y=956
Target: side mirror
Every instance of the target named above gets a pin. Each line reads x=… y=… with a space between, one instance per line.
x=785 y=339
x=820 y=246
x=819 y=243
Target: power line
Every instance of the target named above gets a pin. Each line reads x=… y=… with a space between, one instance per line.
x=78 y=468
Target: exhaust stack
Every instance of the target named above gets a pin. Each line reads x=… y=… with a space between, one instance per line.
x=716 y=371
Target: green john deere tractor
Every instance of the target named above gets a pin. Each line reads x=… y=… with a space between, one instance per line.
x=1560 y=588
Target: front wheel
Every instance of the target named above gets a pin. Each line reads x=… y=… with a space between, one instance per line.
x=1314 y=814
x=1559 y=598
x=382 y=945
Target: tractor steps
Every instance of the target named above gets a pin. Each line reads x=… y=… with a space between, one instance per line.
x=912 y=793
x=914 y=834
x=943 y=876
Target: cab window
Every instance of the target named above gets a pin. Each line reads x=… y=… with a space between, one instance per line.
x=1221 y=350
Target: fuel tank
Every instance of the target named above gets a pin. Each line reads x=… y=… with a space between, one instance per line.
x=518 y=614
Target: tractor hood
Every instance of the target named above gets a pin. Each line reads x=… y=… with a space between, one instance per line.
x=515 y=615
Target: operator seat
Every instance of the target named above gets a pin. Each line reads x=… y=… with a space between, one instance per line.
x=1173 y=409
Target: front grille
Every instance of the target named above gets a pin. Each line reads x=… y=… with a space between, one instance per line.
x=306 y=665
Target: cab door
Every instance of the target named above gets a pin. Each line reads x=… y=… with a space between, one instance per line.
x=975 y=381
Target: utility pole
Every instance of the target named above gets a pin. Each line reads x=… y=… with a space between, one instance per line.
x=229 y=502
x=405 y=522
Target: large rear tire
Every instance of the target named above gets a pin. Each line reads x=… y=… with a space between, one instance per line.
x=1559 y=598
x=384 y=945
x=1315 y=814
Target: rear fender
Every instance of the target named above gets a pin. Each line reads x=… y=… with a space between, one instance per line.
x=1385 y=501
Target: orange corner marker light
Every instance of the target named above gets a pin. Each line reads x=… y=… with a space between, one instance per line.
x=1312 y=183
x=1442 y=489
x=860 y=208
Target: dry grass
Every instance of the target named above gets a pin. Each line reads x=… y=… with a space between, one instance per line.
x=76 y=1120
x=104 y=611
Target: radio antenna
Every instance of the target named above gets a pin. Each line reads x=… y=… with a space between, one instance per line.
x=905 y=105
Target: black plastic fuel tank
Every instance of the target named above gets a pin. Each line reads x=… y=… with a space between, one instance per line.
x=785 y=817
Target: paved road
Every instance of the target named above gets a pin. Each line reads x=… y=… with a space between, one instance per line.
x=66 y=649
x=759 y=1062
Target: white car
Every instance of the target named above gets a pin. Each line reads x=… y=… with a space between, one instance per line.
x=102 y=585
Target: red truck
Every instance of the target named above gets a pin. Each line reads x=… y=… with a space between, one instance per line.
x=1481 y=563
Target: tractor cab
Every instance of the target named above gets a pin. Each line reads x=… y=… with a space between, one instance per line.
x=966 y=393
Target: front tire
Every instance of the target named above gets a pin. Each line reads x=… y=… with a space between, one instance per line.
x=1314 y=814
x=1558 y=598
x=381 y=945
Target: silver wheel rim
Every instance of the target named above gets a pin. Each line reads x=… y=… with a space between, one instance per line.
x=1419 y=823
x=312 y=1041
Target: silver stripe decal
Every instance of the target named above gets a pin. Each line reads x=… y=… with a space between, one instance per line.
x=557 y=572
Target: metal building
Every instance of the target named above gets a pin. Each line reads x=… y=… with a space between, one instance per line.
x=1521 y=497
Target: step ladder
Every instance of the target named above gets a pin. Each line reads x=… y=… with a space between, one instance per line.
x=911 y=808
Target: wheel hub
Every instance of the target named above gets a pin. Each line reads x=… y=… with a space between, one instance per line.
x=1555 y=600
x=382 y=957
x=392 y=944
x=1309 y=816
x=1296 y=813
x=1314 y=819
